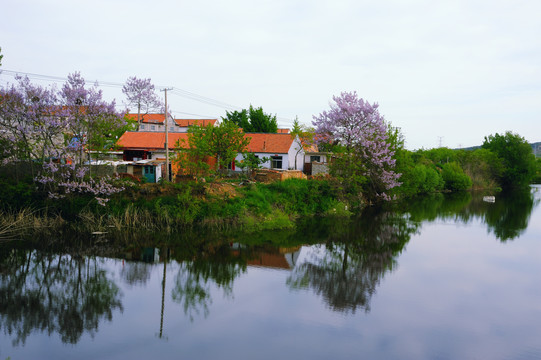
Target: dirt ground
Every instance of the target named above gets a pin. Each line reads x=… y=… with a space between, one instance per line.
x=222 y=189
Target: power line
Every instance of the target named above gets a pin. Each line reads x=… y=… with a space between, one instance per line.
x=176 y=91
x=204 y=99
x=199 y=115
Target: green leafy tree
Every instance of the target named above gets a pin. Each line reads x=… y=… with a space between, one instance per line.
x=251 y=162
x=482 y=166
x=222 y=142
x=537 y=179
x=306 y=137
x=516 y=156
x=106 y=130
x=454 y=177
x=297 y=127
x=192 y=155
x=253 y=120
x=226 y=141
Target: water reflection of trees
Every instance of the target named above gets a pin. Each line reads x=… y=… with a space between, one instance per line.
x=208 y=266
x=507 y=218
x=357 y=254
x=51 y=293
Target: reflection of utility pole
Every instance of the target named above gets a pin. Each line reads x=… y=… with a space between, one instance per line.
x=163 y=295
x=167 y=175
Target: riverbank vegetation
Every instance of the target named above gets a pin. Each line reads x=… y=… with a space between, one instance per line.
x=45 y=174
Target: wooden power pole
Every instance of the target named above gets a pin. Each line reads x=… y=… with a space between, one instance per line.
x=166 y=145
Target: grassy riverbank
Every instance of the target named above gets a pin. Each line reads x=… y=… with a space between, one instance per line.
x=159 y=207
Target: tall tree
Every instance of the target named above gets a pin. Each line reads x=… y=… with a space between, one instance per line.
x=253 y=120
x=363 y=155
x=517 y=158
x=84 y=109
x=30 y=128
x=297 y=127
x=42 y=125
x=226 y=142
x=239 y=118
x=222 y=142
x=141 y=94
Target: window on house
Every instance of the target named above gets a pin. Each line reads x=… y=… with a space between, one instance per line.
x=142 y=127
x=171 y=128
x=231 y=165
x=315 y=158
x=276 y=162
x=153 y=127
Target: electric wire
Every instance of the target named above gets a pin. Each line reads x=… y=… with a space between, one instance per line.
x=176 y=91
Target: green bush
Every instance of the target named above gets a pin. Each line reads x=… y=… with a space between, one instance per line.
x=420 y=179
x=454 y=177
x=183 y=209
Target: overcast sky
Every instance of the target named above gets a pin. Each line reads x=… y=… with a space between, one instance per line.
x=445 y=72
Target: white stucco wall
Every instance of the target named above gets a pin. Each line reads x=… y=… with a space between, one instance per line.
x=288 y=160
x=323 y=158
x=295 y=153
x=267 y=164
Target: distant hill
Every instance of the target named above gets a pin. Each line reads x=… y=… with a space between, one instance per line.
x=536 y=147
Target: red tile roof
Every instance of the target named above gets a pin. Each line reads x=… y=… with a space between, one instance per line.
x=282 y=131
x=269 y=143
x=148 y=140
x=190 y=122
x=148 y=118
x=259 y=142
x=158 y=119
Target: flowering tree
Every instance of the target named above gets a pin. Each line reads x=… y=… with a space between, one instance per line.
x=85 y=113
x=29 y=129
x=362 y=156
x=50 y=128
x=140 y=93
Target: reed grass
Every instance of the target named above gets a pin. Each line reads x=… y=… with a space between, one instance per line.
x=27 y=221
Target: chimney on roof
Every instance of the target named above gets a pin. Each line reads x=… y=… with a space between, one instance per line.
x=264 y=144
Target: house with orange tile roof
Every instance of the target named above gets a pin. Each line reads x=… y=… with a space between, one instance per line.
x=284 y=151
x=147 y=145
x=146 y=150
x=155 y=123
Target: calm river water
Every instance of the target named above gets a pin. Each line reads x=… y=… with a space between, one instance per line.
x=450 y=277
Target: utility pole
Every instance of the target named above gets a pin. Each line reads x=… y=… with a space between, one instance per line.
x=166 y=145
x=440 y=140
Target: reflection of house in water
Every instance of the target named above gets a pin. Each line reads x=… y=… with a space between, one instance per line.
x=148 y=255
x=269 y=256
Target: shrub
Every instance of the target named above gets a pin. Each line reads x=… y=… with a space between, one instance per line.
x=454 y=177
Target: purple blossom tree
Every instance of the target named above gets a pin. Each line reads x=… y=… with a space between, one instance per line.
x=29 y=127
x=39 y=126
x=362 y=153
x=141 y=94
x=85 y=111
